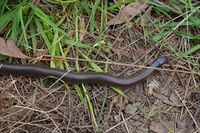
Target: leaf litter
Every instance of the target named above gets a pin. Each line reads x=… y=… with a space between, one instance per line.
x=170 y=127
x=127 y=13
x=9 y=48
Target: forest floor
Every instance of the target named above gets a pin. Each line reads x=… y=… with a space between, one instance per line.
x=117 y=37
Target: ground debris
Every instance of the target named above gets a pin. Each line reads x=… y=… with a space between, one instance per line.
x=127 y=13
x=170 y=127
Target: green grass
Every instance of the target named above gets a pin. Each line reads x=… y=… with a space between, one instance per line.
x=186 y=16
x=28 y=23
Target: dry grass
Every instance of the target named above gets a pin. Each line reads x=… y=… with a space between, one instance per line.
x=171 y=105
x=49 y=106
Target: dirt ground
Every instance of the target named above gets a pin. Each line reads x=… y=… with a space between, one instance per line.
x=165 y=102
x=168 y=101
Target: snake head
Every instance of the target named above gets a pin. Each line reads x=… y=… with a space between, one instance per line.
x=160 y=60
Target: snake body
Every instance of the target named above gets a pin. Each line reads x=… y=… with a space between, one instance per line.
x=79 y=77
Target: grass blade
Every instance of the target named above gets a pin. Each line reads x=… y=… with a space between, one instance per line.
x=39 y=13
x=92 y=18
x=189 y=52
x=6 y=18
x=15 y=26
x=33 y=38
x=91 y=108
x=93 y=65
x=3 y=4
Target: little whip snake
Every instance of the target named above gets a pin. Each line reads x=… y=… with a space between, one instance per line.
x=80 y=77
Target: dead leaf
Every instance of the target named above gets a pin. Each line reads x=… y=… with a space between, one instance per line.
x=168 y=101
x=169 y=126
x=120 y=53
x=32 y=98
x=127 y=13
x=82 y=29
x=131 y=109
x=70 y=34
x=143 y=21
x=10 y=49
x=143 y=18
x=4 y=103
x=153 y=85
x=119 y=102
x=6 y=100
x=157 y=127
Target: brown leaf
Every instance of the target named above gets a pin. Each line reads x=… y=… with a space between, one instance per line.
x=82 y=29
x=169 y=126
x=4 y=103
x=131 y=109
x=158 y=127
x=143 y=21
x=127 y=13
x=10 y=49
x=32 y=98
x=172 y=101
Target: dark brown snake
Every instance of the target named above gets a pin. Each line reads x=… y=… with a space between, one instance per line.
x=79 y=77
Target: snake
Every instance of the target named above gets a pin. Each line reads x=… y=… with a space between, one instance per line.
x=80 y=77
